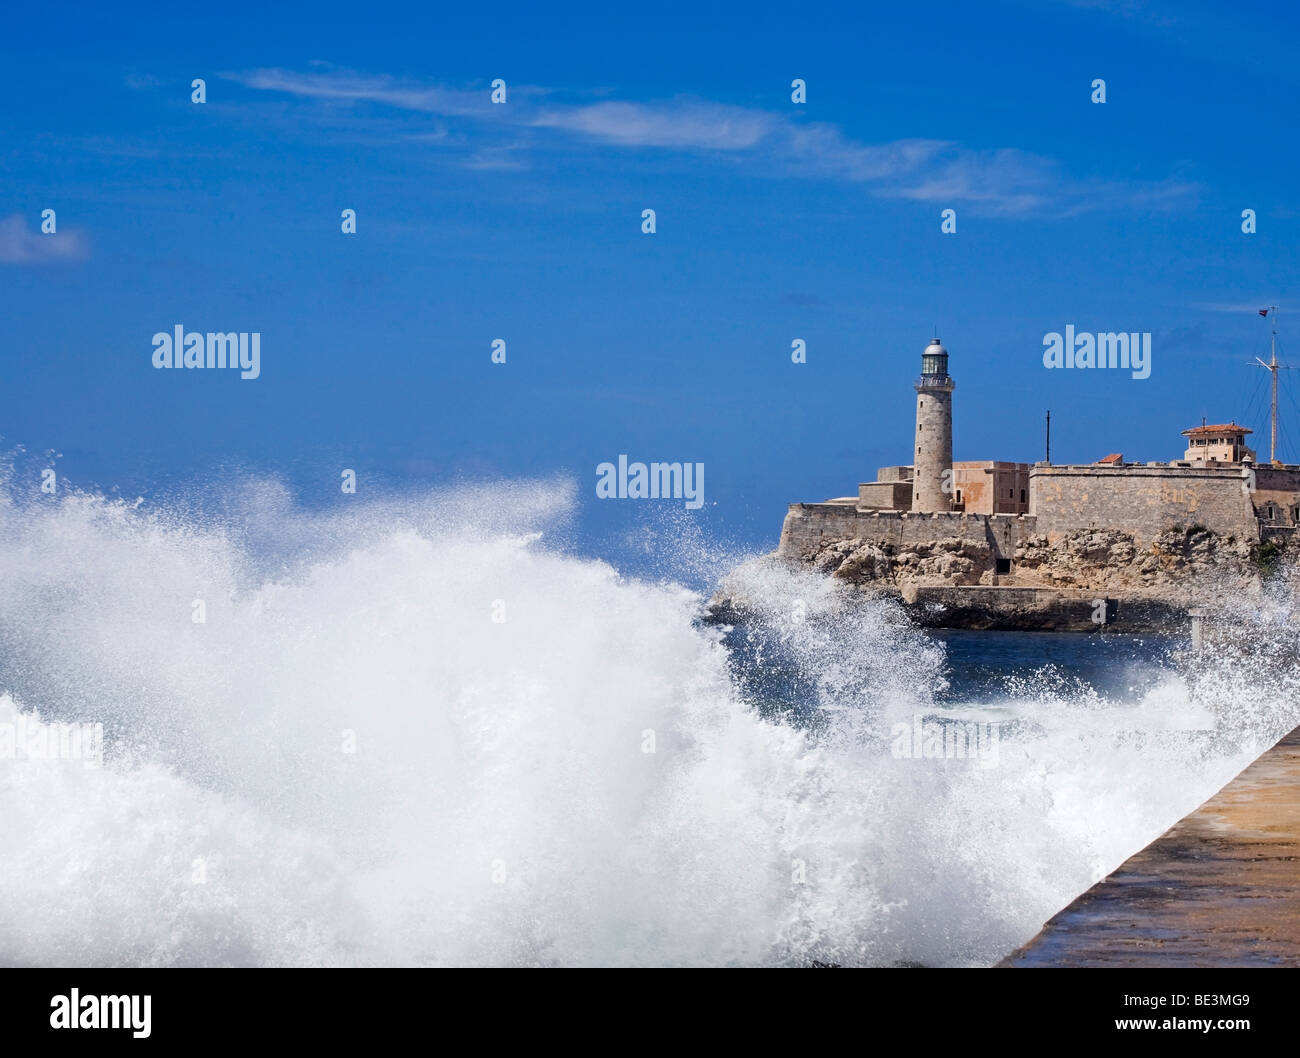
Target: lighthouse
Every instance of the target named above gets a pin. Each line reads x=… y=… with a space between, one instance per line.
x=932 y=458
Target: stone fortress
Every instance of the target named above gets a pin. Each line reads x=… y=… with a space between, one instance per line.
x=1018 y=545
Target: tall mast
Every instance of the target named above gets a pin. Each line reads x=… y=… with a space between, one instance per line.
x=1272 y=440
x=1272 y=369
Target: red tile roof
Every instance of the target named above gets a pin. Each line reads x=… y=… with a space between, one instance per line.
x=1231 y=427
x=1114 y=457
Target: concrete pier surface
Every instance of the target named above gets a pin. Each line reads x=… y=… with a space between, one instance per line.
x=1219 y=889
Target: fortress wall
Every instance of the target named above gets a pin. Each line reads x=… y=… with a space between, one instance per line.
x=885 y=495
x=1278 y=479
x=1286 y=535
x=1000 y=532
x=1283 y=502
x=941 y=525
x=1279 y=488
x=1008 y=531
x=1142 y=500
x=809 y=527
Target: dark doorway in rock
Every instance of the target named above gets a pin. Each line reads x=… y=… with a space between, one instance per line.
x=1003 y=565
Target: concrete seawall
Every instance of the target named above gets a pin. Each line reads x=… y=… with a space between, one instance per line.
x=1219 y=889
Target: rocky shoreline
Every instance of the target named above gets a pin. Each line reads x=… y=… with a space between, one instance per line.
x=1083 y=581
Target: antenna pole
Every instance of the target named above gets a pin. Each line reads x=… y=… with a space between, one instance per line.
x=1273 y=439
x=1271 y=367
x=1049 y=437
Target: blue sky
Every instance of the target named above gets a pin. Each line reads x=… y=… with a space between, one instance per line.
x=522 y=221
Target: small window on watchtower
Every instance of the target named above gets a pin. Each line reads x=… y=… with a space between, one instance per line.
x=1003 y=565
x=1022 y=495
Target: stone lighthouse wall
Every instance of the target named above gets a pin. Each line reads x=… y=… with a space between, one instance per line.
x=933 y=451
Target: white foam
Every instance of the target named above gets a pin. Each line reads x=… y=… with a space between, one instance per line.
x=499 y=807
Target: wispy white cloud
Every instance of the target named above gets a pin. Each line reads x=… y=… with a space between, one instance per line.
x=689 y=124
x=998 y=180
x=360 y=88
x=506 y=157
x=20 y=244
x=1006 y=180
x=826 y=151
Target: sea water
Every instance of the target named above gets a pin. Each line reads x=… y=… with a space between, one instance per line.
x=426 y=731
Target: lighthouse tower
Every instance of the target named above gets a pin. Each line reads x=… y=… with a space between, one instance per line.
x=932 y=460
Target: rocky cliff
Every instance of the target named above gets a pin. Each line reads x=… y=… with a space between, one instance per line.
x=1106 y=561
x=1053 y=582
